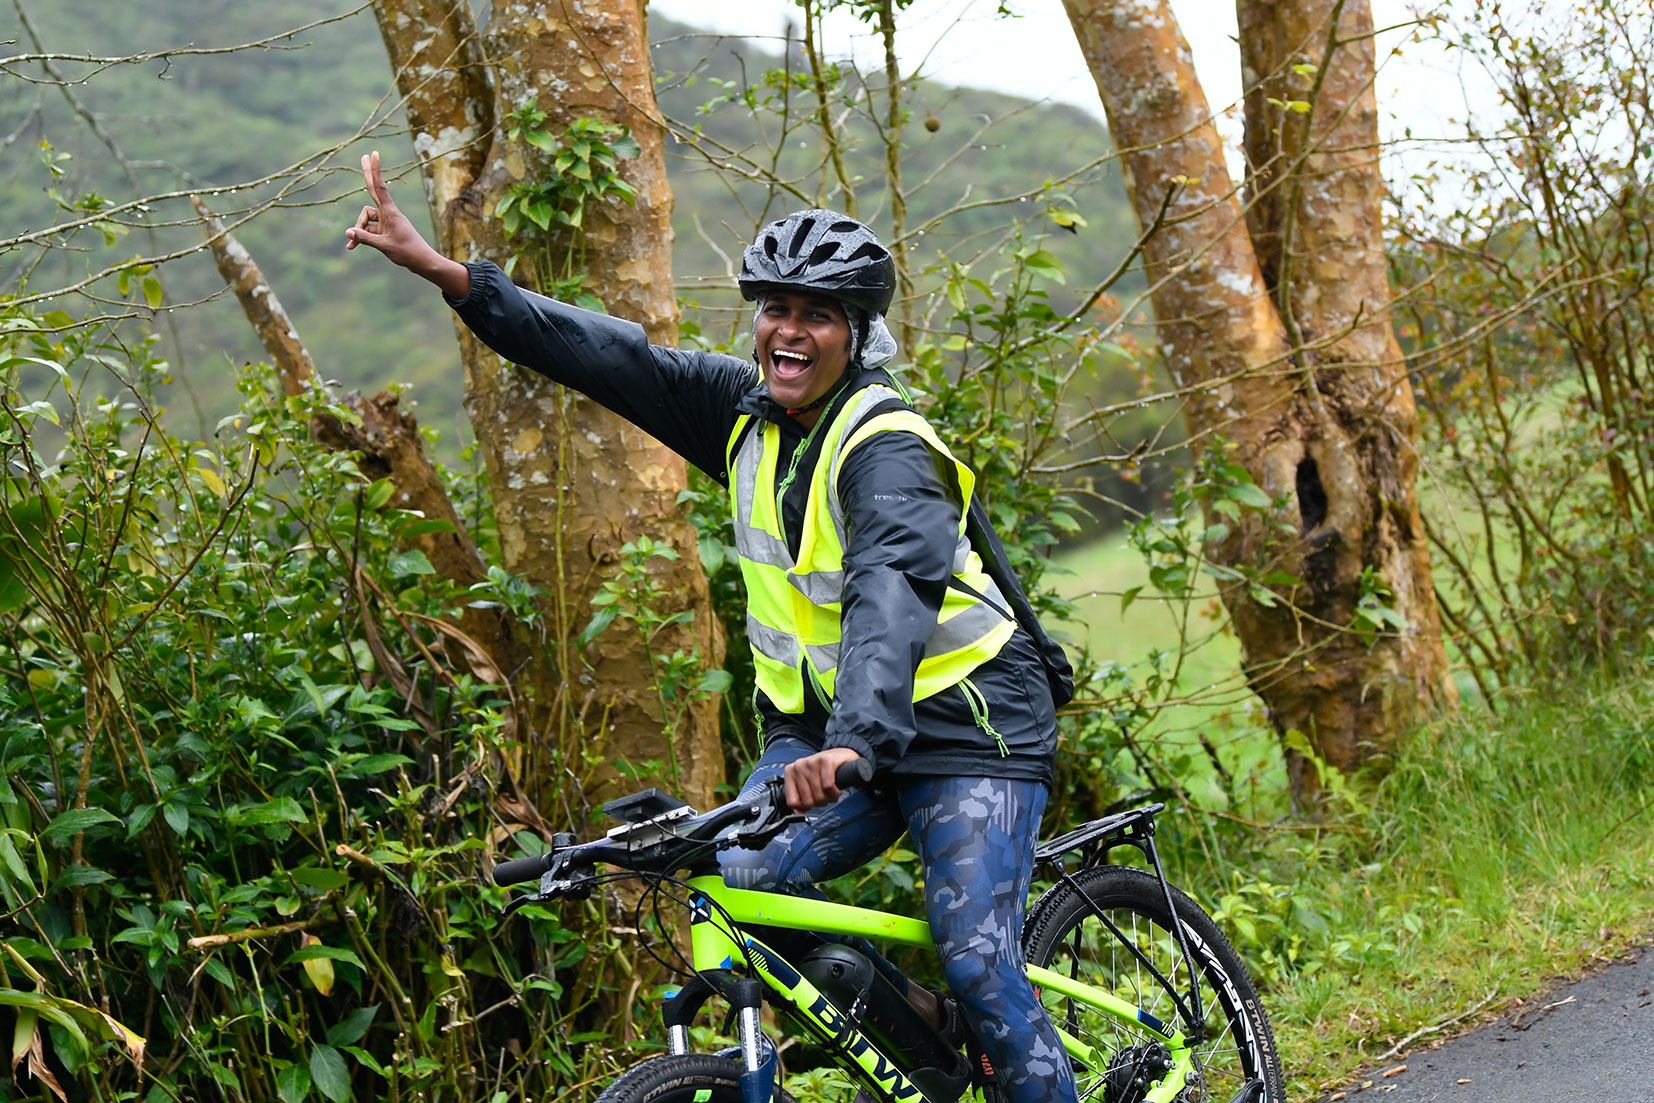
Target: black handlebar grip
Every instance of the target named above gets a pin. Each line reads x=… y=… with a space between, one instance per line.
x=853 y=774
x=518 y=870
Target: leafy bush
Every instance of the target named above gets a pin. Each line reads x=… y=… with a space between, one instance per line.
x=247 y=802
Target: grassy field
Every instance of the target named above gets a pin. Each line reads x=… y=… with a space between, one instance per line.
x=1504 y=853
x=1209 y=695
x=1507 y=849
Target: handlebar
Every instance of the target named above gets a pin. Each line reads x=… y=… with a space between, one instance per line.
x=519 y=870
x=688 y=834
x=853 y=774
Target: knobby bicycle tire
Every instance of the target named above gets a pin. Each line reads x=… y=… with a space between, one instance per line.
x=681 y=1078
x=1065 y=936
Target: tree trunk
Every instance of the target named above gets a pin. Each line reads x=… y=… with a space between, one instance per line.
x=571 y=482
x=1279 y=315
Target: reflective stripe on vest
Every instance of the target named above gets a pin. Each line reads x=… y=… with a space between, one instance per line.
x=793 y=617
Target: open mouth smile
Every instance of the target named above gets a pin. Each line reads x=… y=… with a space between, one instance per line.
x=787 y=364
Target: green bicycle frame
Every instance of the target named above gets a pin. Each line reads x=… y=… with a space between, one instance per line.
x=716 y=945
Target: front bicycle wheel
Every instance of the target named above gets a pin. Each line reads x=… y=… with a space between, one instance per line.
x=1066 y=935
x=682 y=1078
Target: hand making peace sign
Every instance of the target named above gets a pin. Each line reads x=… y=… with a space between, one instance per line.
x=383 y=226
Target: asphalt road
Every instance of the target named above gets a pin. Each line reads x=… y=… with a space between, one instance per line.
x=1591 y=1041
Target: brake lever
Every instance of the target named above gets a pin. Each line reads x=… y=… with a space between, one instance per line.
x=768 y=830
x=776 y=818
x=520 y=902
x=555 y=886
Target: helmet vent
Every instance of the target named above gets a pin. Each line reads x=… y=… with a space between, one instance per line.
x=846 y=227
x=824 y=252
x=805 y=225
x=867 y=249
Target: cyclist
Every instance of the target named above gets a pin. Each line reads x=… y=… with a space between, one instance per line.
x=876 y=631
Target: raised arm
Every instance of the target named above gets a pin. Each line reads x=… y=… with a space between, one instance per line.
x=384 y=227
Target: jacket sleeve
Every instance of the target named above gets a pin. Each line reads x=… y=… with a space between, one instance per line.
x=903 y=509
x=683 y=398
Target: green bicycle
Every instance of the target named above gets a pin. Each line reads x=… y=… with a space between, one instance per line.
x=1151 y=1002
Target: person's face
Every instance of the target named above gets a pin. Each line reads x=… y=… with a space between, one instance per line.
x=803 y=347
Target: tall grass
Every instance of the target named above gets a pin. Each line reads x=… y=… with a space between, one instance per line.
x=1502 y=853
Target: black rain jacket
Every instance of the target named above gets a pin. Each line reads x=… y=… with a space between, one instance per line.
x=898 y=561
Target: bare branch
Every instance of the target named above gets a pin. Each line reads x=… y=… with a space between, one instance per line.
x=273 y=42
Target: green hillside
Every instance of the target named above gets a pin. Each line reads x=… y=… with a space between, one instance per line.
x=321 y=97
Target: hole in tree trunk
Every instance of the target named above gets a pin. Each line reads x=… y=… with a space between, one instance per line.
x=1312 y=496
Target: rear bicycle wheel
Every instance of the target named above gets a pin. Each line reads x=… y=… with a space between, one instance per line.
x=1065 y=935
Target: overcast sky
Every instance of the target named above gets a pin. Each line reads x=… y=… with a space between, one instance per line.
x=1035 y=55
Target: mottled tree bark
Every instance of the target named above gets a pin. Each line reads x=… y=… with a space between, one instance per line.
x=571 y=482
x=1279 y=316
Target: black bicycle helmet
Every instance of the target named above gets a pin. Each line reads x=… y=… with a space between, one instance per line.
x=821 y=251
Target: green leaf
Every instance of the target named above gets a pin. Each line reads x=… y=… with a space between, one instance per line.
x=319 y=952
x=280 y=810
x=1247 y=494
x=41 y=409
x=714 y=681
x=541 y=139
x=378 y=494
x=293 y=1083
x=1262 y=596
x=412 y=561
x=327 y=1066
x=218 y=971
x=367 y=1059
x=140 y=818
x=369 y=765
x=427 y=526
x=316 y=877
x=79 y=875
x=1042 y=263
x=152 y=292
x=594 y=628
x=350 y=1031
x=626 y=146
x=62 y=372
x=71 y=823
x=1128 y=597
x=178 y=818
x=13 y=861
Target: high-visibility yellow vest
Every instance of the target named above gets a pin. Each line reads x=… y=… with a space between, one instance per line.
x=793 y=610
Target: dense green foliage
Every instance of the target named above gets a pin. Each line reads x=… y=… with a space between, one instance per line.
x=203 y=734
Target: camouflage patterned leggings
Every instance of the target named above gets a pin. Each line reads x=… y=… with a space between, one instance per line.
x=975 y=836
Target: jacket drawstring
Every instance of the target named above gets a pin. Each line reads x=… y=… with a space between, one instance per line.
x=979 y=712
